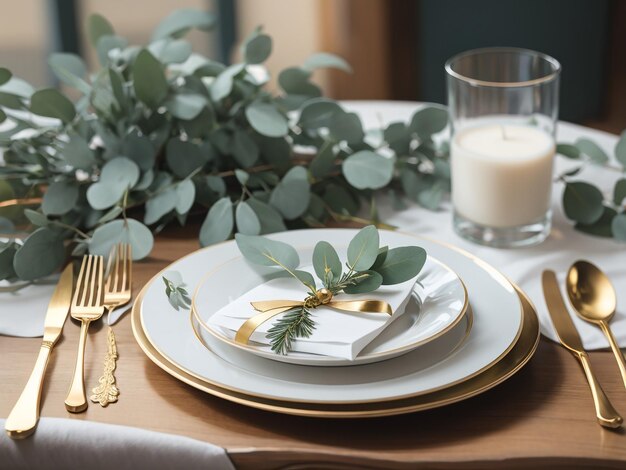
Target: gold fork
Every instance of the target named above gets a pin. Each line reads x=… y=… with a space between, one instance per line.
x=87 y=306
x=117 y=292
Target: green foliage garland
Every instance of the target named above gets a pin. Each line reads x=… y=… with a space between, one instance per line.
x=163 y=133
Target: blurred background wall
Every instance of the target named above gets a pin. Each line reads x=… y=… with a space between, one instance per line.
x=396 y=47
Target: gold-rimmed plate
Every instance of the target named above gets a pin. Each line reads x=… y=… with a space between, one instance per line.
x=437 y=304
x=508 y=365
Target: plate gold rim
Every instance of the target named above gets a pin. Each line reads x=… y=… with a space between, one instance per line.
x=392 y=352
x=517 y=357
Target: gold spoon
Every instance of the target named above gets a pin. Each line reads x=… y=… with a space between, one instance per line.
x=593 y=297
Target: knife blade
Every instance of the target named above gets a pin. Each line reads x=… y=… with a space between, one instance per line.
x=569 y=337
x=24 y=416
x=563 y=324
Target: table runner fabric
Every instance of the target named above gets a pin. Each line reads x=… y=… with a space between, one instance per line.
x=22 y=314
x=67 y=443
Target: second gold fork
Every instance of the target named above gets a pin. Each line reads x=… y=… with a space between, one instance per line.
x=87 y=306
x=117 y=292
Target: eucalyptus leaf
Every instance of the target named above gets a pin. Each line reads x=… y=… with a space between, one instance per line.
x=368 y=284
x=323 y=162
x=257 y=49
x=185 y=196
x=266 y=120
x=185 y=106
x=363 y=249
x=218 y=224
x=223 y=84
x=118 y=176
x=5 y=75
x=346 y=126
x=7 y=254
x=60 y=198
x=266 y=252
x=295 y=81
x=36 y=218
x=122 y=231
x=171 y=51
x=244 y=150
x=318 y=113
x=183 y=157
x=160 y=204
x=401 y=264
x=139 y=148
x=592 y=150
x=51 y=103
x=41 y=254
x=368 y=170
x=428 y=121
x=247 y=220
x=78 y=153
x=292 y=195
x=70 y=69
x=149 y=80
x=618 y=227
x=619 y=192
x=568 y=150
x=326 y=263
x=326 y=60
x=582 y=202
x=3 y=116
x=601 y=227
x=270 y=218
x=98 y=26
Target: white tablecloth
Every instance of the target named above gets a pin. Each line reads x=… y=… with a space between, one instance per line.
x=22 y=314
x=68 y=443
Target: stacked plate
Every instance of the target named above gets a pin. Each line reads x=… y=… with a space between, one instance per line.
x=465 y=329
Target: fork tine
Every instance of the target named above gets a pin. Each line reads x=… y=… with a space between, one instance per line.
x=99 y=293
x=109 y=270
x=86 y=280
x=119 y=258
x=79 y=281
x=125 y=267
x=92 y=281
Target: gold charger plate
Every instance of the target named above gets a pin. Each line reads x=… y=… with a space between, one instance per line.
x=509 y=364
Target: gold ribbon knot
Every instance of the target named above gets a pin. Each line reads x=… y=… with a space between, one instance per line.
x=270 y=308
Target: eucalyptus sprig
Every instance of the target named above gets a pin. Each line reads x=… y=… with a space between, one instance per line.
x=160 y=135
x=368 y=266
x=594 y=211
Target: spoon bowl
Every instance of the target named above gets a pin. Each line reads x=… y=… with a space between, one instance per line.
x=591 y=293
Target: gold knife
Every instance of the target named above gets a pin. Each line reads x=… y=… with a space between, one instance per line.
x=24 y=416
x=569 y=337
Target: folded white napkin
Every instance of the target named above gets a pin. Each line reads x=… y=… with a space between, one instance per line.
x=337 y=333
x=70 y=443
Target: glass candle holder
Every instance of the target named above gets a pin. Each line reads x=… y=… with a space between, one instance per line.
x=503 y=106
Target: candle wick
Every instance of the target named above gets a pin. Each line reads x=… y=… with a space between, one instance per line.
x=503 y=133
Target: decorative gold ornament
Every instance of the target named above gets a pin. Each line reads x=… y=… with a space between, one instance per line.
x=107 y=392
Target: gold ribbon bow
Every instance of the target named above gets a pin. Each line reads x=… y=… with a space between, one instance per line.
x=271 y=308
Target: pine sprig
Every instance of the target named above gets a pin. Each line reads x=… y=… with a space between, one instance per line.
x=294 y=324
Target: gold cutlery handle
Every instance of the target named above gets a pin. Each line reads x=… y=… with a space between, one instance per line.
x=606 y=414
x=617 y=352
x=76 y=400
x=24 y=416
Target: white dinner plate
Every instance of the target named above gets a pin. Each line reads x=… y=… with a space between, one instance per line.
x=438 y=302
x=497 y=324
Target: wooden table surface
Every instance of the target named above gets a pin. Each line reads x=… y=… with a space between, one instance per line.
x=543 y=416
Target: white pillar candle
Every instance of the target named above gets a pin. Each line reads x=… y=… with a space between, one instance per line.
x=502 y=174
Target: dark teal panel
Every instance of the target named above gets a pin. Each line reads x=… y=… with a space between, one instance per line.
x=575 y=32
